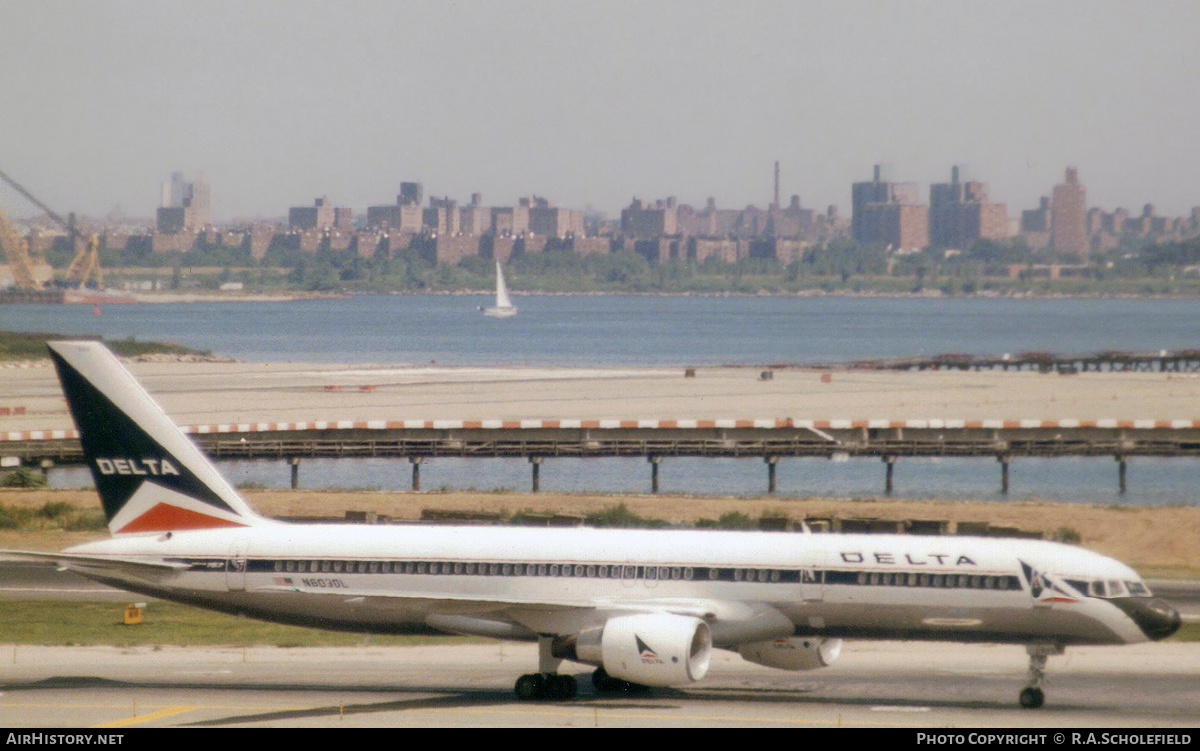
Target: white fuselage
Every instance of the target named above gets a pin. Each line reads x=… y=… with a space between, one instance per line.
x=516 y=582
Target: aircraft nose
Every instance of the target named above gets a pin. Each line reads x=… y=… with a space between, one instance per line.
x=1154 y=616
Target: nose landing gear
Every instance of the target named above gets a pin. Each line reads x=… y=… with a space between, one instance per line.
x=1032 y=696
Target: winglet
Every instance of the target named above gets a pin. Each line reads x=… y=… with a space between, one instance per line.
x=150 y=476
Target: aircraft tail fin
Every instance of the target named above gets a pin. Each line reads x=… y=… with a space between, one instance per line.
x=151 y=477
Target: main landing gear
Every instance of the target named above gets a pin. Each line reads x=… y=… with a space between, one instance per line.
x=606 y=684
x=552 y=686
x=547 y=683
x=1032 y=696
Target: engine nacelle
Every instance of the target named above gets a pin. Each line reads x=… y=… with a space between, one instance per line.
x=793 y=653
x=653 y=649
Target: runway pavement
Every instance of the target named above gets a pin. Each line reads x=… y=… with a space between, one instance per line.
x=874 y=685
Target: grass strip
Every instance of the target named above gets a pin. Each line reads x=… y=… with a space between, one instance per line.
x=19 y=345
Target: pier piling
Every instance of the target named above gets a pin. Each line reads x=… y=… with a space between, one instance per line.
x=536 y=463
x=416 y=471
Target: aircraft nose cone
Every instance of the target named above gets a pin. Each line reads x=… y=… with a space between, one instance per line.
x=1154 y=616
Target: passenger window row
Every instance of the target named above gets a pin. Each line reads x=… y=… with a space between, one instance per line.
x=573 y=570
x=923 y=579
x=645 y=573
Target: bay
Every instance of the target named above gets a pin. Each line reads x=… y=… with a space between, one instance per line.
x=631 y=329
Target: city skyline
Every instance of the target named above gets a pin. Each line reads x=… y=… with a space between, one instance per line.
x=592 y=104
x=175 y=193
x=884 y=212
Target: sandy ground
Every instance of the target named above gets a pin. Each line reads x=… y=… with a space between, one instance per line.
x=1158 y=541
x=213 y=393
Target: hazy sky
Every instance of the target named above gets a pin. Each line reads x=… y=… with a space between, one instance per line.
x=591 y=103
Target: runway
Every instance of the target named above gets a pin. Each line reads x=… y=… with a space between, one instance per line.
x=873 y=685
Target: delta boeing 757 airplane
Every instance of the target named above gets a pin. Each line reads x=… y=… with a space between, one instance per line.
x=646 y=608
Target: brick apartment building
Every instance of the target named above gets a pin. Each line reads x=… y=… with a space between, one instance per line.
x=1068 y=226
x=890 y=213
x=960 y=214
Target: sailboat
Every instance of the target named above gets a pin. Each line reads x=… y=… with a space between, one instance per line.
x=503 y=307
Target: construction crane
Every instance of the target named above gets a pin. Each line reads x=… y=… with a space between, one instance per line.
x=16 y=250
x=84 y=265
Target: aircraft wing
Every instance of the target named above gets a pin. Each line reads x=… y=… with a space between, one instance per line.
x=447 y=601
x=457 y=602
x=482 y=614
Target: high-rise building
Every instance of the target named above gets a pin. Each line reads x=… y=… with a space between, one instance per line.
x=1068 y=224
x=642 y=220
x=891 y=213
x=411 y=194
x=960 y=214
x=185 y=207
x=321 y=215
x=405 y=215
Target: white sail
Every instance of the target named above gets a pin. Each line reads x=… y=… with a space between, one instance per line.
x=502 y=300
x=504 y=306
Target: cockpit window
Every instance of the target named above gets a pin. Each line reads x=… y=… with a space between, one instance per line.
x=1109 y=588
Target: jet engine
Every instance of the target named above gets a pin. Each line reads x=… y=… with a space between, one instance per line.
x=794 y=653
x=651 y=649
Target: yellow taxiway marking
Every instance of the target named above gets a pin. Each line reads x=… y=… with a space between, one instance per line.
x=598 y=714
x=137 y=719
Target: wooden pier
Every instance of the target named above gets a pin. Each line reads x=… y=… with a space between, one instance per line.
x=542 y=441
x=1162 y=361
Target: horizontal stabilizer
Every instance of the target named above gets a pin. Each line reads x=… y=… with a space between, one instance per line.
x=70 y=560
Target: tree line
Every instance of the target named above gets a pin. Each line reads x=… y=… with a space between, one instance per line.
x=838 y=265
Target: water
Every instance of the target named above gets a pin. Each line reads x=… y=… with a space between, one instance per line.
x=652 y=331
x=631 y=330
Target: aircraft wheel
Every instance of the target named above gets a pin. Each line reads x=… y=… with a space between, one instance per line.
x=530 y=686
x=1032 y=698
x=605 y=683
x=562 y=687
